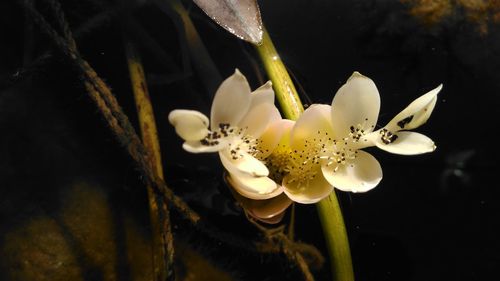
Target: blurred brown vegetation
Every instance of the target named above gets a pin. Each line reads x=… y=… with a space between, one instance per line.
x=479 y=12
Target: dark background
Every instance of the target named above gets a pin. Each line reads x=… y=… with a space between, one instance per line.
x=433 y=217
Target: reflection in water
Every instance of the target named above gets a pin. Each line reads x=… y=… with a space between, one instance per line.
x=455 y=173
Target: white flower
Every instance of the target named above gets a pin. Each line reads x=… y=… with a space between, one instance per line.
x=242 y=130
x=297 y=169
x=395 y=138
x=267 y=207
x=252 y=187
x=330 y=138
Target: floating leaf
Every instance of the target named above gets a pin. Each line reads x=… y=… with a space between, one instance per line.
x=241 y=18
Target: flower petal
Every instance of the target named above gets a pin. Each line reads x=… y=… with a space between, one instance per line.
x=408 y=143
x=308 y=193
x=198 y=147
x=257 y=188
x=259 y=118
x=244 y=164
x=264 y=94
x=415 y=114
x=190 y=125
x=356 y=103
x=276 y=134
x=314 y=122
x=231 y=101
x=360 y=175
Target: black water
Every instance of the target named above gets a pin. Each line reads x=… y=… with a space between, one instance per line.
x=433 y=217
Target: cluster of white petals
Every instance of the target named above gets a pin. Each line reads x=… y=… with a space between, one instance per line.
x=244 y=128
x=272 y=161
x=331 y=139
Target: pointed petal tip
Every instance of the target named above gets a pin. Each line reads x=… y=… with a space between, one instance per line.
x=356 y=74
x=432 y=94
x=436 y=90
x=237 y=72
x=231 y=101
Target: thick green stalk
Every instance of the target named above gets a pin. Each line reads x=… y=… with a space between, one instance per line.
x=336 y=238
x=328 y=209
x=283 y=86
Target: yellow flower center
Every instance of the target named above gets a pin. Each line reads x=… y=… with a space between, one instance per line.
x=303 y=165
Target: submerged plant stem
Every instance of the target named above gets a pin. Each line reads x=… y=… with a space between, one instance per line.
x=190 y=38
x=283 y=86
x=336 y=238
x=110 y=109
x=163 y=250
x=329 y=211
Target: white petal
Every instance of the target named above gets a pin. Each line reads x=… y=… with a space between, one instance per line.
x=190 y=125
x=276 y=134
x=198 y=147
x=408 y=143
x=360 y=175
x=415 y=114
x=307 y=193
x=258 y=119
x=315 y=122
x=357 y=102
x=264 y=94
x=245 y=164
x=231 y=101
x=257 y=188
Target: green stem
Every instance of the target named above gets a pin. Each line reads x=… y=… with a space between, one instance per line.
x=328 y=209
x=283 y=86
x=336 y=238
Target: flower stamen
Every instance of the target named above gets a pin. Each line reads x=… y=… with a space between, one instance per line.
x=387 y=136
x=238 y=141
